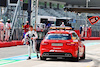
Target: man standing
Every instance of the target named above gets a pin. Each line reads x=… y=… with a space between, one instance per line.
x=62 y=25
x=26 y=28
x=30 y=38
x=48 y=24
x=39 y=31
x=7 y=32
x=81 y=30
x=82 y=34
x=1 y=30
x=89 y=31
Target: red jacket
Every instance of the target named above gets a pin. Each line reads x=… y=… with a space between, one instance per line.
x=26 y=28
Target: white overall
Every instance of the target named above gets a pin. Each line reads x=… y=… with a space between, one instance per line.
x=7 y=31
x=1 y=31
x=32 y=43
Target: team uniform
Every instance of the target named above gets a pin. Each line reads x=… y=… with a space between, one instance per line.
x=1 y=31
x=31 y=43
x=62 y=25
x=7 y=31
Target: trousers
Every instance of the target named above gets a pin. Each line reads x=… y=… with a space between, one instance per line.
x=32 y=46
x=7 y=34
x=1 y=34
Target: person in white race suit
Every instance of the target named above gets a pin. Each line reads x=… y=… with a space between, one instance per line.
x=7 y=30
x=30 y=40
x=1 y=30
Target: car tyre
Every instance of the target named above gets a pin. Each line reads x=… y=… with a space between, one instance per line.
x=42 y=58
x=77 y=59
x=83 y=56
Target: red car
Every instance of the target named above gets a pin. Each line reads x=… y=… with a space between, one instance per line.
x=62 y=44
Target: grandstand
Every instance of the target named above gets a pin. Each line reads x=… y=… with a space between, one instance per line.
x=80 y=19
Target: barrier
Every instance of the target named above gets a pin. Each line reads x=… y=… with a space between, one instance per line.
x=91 y=38
x=5 y=44
x=12 y=43
x=1 y=44
x=19 y=43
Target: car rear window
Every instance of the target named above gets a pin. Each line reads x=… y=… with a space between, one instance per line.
x=58 y=37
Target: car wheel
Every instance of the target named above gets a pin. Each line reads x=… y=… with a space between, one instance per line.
x=77 y=59
x=83 y=56
x=42 y=58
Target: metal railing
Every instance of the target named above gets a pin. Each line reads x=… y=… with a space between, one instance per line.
x=15 y=17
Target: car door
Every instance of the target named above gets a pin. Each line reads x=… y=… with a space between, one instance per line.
x=79 y=42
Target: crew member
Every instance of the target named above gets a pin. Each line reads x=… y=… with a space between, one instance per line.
x=1 y=30
x=89 y=31
x=39 y=32
x=30 y=39
x=62 y=24
x=48 y=24
x=81 y=30
x=7 y=28
x=26 y=28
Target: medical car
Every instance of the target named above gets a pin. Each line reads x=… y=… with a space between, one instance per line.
x=62 y=43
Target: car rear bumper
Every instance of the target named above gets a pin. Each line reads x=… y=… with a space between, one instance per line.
x=59 y=53
x=54 y=54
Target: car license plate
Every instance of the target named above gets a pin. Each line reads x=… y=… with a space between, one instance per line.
x=57 y=44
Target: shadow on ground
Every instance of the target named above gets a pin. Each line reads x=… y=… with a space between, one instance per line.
x=67 y=60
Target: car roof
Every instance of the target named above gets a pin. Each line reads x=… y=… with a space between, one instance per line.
x=60 y=31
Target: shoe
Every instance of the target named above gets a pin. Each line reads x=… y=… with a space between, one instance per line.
x=28 y=58
x=33 y=51
x=6 y=40
x=37 y=56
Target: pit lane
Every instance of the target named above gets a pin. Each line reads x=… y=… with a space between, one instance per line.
x=92 y=57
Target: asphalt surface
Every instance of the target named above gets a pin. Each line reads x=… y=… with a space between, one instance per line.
x=92 y=57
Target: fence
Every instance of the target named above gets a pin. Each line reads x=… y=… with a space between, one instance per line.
x=95 y=28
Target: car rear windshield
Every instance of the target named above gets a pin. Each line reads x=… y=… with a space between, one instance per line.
x=58 y=37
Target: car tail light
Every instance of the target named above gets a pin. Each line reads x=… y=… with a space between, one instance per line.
x=71 y=43
x=44 y=43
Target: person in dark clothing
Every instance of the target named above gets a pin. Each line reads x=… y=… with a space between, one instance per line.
x=81 y=30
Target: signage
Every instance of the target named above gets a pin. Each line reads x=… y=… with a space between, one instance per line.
x=94 y=19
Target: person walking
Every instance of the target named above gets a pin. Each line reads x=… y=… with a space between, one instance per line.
x=1 y=30
x=30 y=40
x=7 y=30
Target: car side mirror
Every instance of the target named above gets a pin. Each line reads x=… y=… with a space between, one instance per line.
x=82 y=39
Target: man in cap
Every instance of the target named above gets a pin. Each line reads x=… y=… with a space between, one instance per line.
x=7 y=30
x=1 y=29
